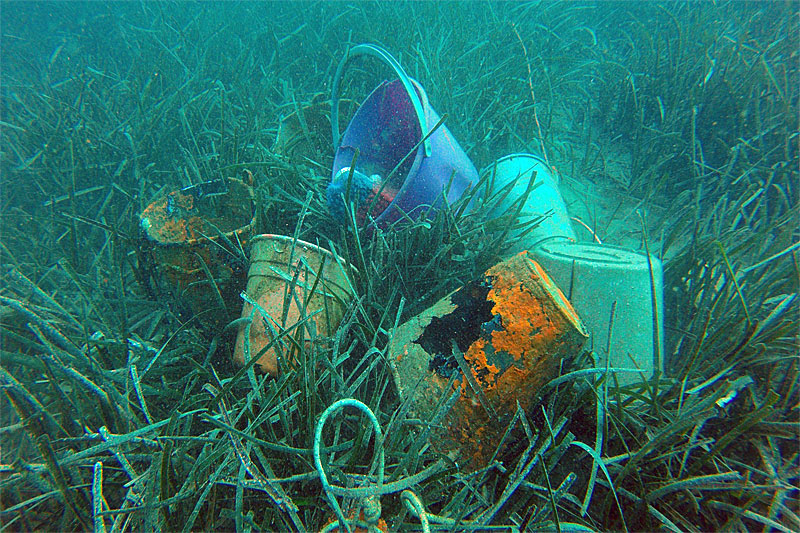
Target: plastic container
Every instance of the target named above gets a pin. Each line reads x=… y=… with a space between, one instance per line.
x=510 y=180
x=488 y=347
x=303 y=135
x=387 y=132
x=193 y=238
x=284 y=271
x=600 y=280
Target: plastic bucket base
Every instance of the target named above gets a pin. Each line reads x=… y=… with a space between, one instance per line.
x=601 y=280
x=509 y=181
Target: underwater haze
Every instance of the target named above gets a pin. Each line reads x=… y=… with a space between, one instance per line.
x=144 y=145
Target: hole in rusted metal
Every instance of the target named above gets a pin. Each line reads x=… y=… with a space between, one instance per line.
x=471 y=317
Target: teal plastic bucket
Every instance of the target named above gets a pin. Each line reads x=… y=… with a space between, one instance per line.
x=509 y=179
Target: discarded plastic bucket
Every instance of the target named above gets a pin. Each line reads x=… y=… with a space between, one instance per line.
x=304 y=134
x=394 y=166
x=510 y=179
x=285 y=272
x=601 y=281
x=484 y=349
x=193 y=237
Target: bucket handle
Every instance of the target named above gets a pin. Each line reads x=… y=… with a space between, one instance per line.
x=386 y=57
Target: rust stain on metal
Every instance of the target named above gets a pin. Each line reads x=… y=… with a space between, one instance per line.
x=512 y=327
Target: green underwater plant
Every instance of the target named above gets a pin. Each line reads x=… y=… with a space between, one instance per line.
x=121 y=411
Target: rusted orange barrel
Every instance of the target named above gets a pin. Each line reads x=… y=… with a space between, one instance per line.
x=489 y=345
x=296 y=286
x=194 y=237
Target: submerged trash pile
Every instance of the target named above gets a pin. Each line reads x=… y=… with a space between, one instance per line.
x=572 y=312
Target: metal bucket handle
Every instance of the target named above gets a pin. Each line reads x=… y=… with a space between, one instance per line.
x=386 y=57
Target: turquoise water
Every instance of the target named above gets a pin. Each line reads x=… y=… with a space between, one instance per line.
x=669 y=129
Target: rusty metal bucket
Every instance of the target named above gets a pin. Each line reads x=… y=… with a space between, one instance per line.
x=293 y=284
x=489 y=347
x=194 y=237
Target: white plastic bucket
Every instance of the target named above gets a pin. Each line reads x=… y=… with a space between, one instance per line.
x=599 y=280
x=543 y=201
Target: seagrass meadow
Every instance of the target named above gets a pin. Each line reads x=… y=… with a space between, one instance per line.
x=673 y=127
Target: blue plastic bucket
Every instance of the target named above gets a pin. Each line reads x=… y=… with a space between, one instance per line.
x=390 y=161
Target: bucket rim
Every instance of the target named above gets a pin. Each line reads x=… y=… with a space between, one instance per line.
x=195 y=241
x=376 y=51
x=420 y=153
x=286 y=239
x=605 y=254
x=507 y=157
x=417 y=155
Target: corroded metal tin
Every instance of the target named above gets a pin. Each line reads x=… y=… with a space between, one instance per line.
x=490 y=345
x=192 y=237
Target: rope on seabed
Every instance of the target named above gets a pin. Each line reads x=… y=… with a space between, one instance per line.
x=369 y=498
x=371 y=503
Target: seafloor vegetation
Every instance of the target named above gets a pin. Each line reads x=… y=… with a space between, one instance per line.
x=676 y=123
